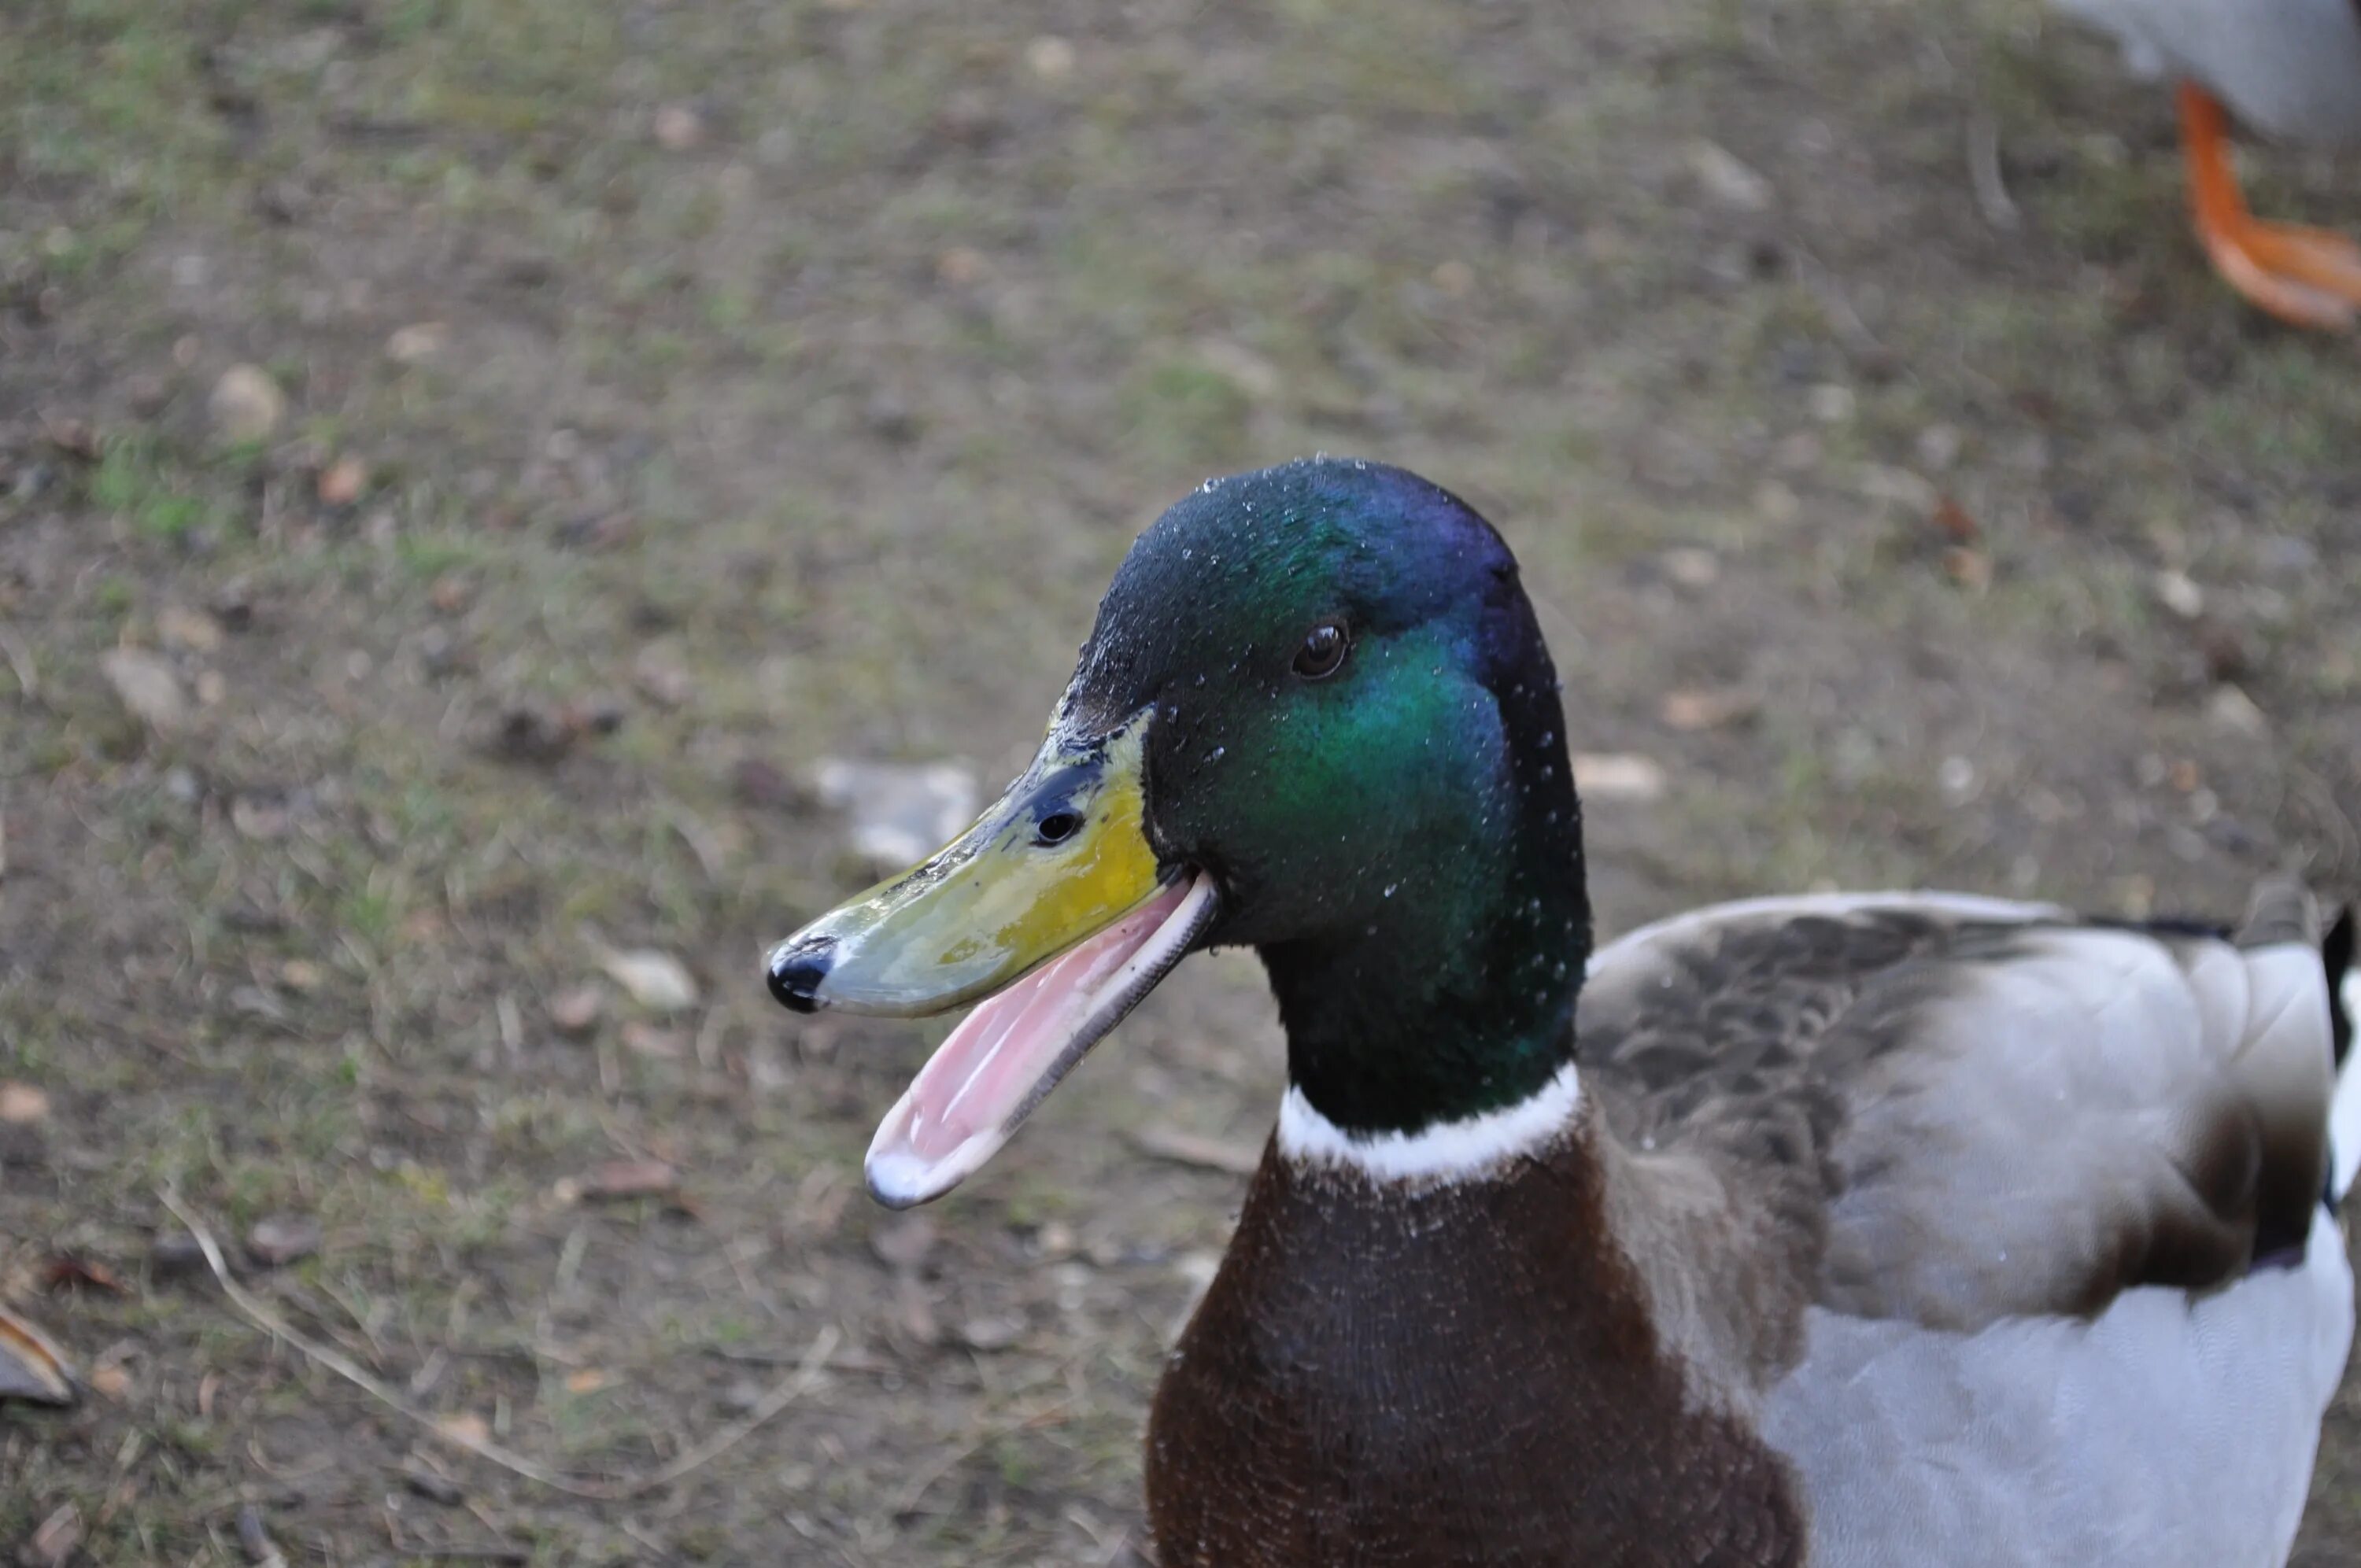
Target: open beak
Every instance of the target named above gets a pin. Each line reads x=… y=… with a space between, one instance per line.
x=1052 y=910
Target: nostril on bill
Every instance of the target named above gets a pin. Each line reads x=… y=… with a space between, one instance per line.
x=797 y=969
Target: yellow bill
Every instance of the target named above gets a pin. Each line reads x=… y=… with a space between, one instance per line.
x=1051 y=909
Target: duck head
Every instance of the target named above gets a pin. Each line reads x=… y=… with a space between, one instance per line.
x=1315 y=715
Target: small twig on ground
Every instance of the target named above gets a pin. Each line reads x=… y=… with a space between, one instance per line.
x=20 y=660
x=360 y=1319
x=1189 y=1148
x=711 y=858
x=512 y=1024
x=1984 y=176
x=808 y=1372
x=1843 y=319
x=920 y=1484
x=255 y=1541
x=286 y=1474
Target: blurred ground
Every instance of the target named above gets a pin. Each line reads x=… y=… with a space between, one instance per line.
x=678 y=392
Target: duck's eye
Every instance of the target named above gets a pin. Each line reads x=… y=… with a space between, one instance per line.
x=1324 y=650
x=1056 y=827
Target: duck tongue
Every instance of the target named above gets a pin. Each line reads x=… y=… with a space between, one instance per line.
x=1007 y=1054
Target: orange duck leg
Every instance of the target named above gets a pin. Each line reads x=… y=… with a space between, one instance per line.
x=2309 y=277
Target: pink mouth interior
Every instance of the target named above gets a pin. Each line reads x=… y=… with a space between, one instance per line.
x=1005 y=1056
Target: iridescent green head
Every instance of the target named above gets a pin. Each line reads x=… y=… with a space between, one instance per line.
x=1315 y=717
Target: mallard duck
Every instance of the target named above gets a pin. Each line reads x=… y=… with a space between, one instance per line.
x=1911 y=1228
x=2291 y=69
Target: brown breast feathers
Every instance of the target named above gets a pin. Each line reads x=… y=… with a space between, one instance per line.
x=1460 y=1375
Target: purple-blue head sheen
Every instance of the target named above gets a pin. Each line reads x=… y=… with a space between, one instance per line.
x=1354 y=726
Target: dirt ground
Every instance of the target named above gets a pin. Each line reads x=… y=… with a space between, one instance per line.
x=678 y=391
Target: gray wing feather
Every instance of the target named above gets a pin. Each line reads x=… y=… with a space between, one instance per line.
x=2089 y=1111
x=1984 y=1109
x=2047 y=1197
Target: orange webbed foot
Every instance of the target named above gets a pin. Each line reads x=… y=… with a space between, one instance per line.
x=2304 y=275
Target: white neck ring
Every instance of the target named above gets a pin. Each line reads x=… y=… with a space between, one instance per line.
x=1442 y=1153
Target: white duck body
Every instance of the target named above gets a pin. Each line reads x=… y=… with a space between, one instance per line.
x=2289 y=69
x=2164 y=1432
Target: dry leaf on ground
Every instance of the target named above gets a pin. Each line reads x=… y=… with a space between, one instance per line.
x=420 y=340
x=283 y=1239
x=342 y=482
x=32 y=1367
x=656 y=981
x=68 y=1272
x=466 y=1426
x=189 y=630
x=55 y=1542
x=149 y=687
x=247 y=404
x=1602 y=776
x=1709 y=707
x=1191 y=1148
x=574 y=1012
x=619 y=1178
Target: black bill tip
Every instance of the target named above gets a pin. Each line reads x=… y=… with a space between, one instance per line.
x=797 y=969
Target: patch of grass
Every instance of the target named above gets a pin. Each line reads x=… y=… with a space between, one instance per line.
x=158 y=498
x=1181 y=413
x=428 y=557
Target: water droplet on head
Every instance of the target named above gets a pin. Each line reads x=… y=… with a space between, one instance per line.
x=1392 y=888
